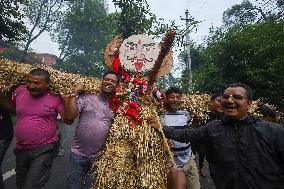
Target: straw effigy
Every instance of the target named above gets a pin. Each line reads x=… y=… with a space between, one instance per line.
x=134 y=157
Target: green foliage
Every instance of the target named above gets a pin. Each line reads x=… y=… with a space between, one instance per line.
x=134 y=18
x=42 y=15
x=17 y=55
x=167 y=81
x=12 y=28
x=208 y=79
x=252 y=12
x=82 y=34
x=196 y=61
x=253 y=54
x=239 y=14
x=11 y=54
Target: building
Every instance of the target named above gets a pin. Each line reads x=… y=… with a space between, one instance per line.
x=45 y=58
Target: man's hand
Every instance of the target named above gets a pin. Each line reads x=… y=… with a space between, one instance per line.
x=154 y=123
x=79 y=88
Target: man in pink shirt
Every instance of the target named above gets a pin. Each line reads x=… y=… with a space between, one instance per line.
x=37 y=143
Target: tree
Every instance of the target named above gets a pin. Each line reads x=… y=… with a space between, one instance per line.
x=196 y=61
x=248 y=12
x=134 y=18
x=252 y=54
x=17 y=55
x=42 y=15
x=82 y=34
x=12 y=28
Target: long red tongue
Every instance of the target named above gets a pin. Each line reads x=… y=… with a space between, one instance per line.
x=138 y=65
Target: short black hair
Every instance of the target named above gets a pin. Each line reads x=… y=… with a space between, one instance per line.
x=113 y=73
x=215 y=95
x=267 y=111
x=40 y=72
x=249 y=92
x=172 y=90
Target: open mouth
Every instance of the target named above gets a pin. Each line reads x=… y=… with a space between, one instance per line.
x=230 y=107
x=108 y=87
x=139 y=63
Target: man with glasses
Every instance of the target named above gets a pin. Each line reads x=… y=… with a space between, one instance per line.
x=242 y=151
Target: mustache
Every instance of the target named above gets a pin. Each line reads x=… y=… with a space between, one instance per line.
x=32 y=89
x=148 y=60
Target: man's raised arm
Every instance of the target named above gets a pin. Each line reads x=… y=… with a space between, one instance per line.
x=70 y=105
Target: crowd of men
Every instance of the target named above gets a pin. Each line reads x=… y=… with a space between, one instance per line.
x=242 y=151
x=36 y=110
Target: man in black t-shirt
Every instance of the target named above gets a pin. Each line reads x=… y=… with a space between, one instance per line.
x=6 y=136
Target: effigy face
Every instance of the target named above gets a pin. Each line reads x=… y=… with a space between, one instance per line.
x=138 y=54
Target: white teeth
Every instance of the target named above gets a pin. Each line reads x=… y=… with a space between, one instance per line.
x=108 y=87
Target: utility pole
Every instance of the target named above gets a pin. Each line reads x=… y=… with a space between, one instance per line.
x=187 y=47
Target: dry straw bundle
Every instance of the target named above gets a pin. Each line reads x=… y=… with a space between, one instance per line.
x=13 y=73
x=197 y=104
x=134 y=157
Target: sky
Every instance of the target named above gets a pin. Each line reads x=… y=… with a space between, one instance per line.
x=209 y=12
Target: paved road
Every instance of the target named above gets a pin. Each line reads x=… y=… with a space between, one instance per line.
x=206 y=182
x=59 y=169
x=60 y=166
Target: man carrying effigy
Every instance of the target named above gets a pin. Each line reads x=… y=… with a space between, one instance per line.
x=36 y=109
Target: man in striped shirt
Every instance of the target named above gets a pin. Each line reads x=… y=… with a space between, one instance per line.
x=180 y=119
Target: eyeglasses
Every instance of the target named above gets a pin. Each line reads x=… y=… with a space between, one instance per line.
x=234 y=96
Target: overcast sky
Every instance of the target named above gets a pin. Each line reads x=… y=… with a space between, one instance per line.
x=208 y=11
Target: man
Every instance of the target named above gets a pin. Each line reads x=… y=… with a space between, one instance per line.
x=6 y=136
x=243 y=152
x=216 y=107
x=95 y=118
x=215 y=114
x=37 y=142
x=180 y=119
